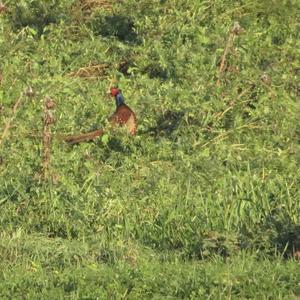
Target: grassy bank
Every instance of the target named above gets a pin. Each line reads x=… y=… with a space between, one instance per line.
x=204 y=201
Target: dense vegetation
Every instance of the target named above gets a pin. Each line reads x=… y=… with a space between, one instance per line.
x=203 y=202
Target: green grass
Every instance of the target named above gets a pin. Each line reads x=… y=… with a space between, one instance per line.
x=203 y=203
x=79 y=269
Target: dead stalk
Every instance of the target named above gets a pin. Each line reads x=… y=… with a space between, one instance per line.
x=235 y=30
x=47 y=136
x=9 y=121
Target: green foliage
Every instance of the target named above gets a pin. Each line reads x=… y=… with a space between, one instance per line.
x=204 y=201
x=36 y=14
x=113 y=25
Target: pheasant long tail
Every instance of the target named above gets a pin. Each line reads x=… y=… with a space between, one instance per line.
x=84 y=137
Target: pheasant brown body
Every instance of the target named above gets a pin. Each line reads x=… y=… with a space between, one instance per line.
x=123 y=116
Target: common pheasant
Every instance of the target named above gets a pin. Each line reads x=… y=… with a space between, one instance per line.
x=123 y=116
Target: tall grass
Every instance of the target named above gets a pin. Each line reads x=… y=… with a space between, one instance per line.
x=203 y=202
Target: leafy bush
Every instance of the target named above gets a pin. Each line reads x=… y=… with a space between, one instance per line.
x=36 y=14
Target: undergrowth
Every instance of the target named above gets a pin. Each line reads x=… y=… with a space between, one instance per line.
x=203 y=202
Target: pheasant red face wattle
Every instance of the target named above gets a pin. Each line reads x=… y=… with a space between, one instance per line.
x=114 y=91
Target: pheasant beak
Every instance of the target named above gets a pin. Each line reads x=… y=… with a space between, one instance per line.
x=108 y=95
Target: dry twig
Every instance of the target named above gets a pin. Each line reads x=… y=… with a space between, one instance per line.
x=92 y=71
x=89 y=5
x=2 y=8
x=86 y=7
